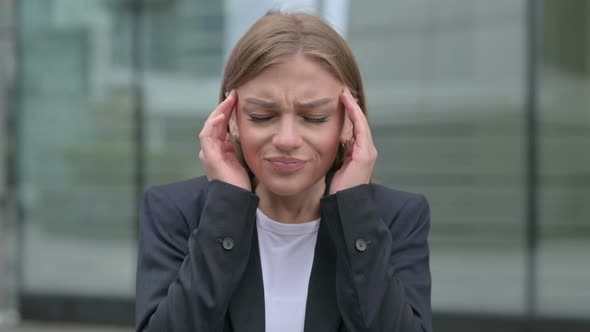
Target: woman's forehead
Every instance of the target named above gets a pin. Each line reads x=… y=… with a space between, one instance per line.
x=299 y=74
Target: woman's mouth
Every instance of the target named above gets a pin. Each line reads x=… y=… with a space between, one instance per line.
x=286 y=165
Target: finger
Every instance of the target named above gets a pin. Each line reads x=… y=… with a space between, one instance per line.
x=210 y=126
x=360 y=125
x=226 y=105
x=223 y=127
x=228 y=146
x=223 y=108
x=347 y=128
x=206 y=139
x=220 y=127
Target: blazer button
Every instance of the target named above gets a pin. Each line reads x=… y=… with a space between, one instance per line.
x=361 y=245
x=227 y=243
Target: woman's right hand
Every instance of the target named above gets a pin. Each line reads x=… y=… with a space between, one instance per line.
x=217 y=153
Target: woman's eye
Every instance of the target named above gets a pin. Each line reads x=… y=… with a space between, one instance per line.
x=315 y=120
x=260 y=118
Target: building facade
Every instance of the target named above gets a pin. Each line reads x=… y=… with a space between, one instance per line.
x=482 y=106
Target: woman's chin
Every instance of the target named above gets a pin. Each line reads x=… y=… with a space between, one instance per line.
x=286 y=187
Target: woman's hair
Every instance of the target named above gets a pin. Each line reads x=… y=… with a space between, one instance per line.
x=278 y=36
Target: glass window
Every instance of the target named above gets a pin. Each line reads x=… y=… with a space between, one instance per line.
x=444 y=81
x=564 y=148
x=183 y=55
x=76 y=153
x=8 y=253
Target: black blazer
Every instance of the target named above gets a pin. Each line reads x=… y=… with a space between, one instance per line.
x=199 y=265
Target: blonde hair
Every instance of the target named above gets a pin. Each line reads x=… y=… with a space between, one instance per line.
x=278 y=36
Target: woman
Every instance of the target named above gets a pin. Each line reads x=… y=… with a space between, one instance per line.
x=286 y=231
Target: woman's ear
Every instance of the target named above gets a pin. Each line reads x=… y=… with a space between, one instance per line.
x=347 y=130
x=233 y=125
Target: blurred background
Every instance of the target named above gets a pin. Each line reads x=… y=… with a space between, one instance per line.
x=483 y=106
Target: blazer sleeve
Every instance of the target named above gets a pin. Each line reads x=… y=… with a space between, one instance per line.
x=383 y=277
x=185 y=277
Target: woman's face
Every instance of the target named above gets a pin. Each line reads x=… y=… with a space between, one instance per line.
x=289 y=120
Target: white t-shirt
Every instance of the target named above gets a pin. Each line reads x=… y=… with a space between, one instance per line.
x=286 y=256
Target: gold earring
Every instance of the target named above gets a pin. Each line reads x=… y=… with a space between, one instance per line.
x=345 y=144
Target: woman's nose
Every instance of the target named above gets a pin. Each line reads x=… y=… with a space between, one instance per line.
x=287 y=136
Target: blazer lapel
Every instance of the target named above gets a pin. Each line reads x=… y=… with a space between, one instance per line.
x=321 y=313
x=246 y=308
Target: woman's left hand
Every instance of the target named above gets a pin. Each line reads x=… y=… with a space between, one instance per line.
x=361 y=154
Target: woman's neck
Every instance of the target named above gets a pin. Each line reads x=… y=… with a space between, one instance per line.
x=296 y=209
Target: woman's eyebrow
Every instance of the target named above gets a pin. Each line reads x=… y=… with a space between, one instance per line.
x=260 y=102
x=315 y=103
x=306 y=105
